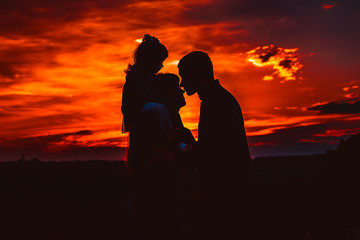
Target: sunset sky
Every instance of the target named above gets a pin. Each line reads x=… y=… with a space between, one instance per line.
x=293 y=66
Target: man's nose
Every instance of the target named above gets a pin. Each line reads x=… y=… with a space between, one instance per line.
x=182 y=84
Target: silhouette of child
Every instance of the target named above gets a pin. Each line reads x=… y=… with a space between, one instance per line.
x=148 y=60
x=167 y=87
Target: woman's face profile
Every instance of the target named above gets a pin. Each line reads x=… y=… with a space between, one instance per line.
x=158 y=65
x=154 y=65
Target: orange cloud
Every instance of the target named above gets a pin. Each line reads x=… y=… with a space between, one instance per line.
x=283 y=61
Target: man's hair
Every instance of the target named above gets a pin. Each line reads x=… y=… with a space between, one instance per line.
x=199 y=62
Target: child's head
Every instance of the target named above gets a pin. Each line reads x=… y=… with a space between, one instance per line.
x=149 y=55
x=168 y=89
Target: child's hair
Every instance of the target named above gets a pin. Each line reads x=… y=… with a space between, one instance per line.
x=149 y=49
x=166 y=81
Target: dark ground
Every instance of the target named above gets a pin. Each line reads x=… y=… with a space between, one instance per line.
x=308 y=197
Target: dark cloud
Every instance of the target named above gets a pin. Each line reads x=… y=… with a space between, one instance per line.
x=42 y=147
x=217 y=36
x=40 y=142
x=299 y=23
x=291 y=148
x=35 y=123
x=51 y=101
x=32 y=102
x=339 y=107
x=7 y=69
x=21 y=114
x=302 y=140
x=247 y=9
x=5 y=114
x=290 y=134
x=287 y=63
x=119 y=85
x=233 y=9
x=266 y=56
x=34 y=18
x=82 y=133
x=20 y=59
x=40 y=17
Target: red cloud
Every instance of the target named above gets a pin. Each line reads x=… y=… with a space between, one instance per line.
x=327 y=6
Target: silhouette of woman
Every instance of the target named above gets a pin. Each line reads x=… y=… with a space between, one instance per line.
x=148 y=60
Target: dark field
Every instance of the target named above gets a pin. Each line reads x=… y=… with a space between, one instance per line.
x=306 y=197
x=67 y=200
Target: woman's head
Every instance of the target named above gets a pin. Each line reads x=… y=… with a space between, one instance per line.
x=149 y=55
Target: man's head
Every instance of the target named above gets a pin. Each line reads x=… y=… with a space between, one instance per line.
x=196 y=71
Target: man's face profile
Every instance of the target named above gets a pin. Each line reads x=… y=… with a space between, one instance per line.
x=188 y=81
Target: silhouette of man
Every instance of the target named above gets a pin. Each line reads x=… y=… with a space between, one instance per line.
x=223 y=160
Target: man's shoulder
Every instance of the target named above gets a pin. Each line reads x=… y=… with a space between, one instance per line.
x=224 y=97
